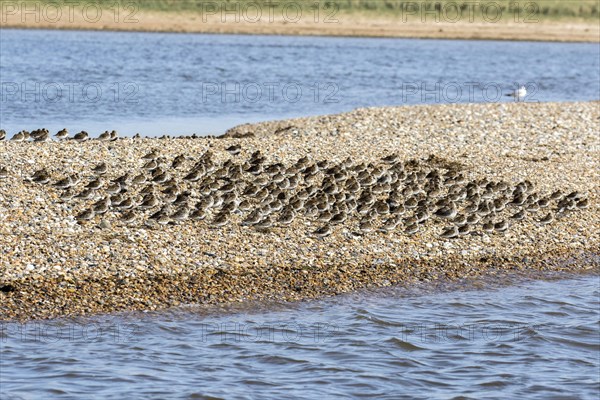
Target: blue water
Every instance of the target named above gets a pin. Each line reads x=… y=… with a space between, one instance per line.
x=533 y=340
x=156 y=83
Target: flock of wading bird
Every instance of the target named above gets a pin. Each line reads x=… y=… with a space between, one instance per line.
x=386 y=195
x=43 y=135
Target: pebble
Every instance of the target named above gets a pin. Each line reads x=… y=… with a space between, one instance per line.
x=188 y=262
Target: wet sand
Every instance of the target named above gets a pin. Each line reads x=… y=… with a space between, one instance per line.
x=53 y=265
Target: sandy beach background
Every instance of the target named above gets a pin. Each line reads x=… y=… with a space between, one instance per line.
x=545 y=20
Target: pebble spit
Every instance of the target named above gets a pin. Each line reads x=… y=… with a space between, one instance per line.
x=297 y=209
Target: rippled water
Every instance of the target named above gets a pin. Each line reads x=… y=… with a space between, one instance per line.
x=158 y=83
x=535 y=339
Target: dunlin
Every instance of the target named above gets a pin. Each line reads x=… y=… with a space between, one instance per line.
x=460 y=219
x=422 y=215
x=582 y=204
x=126 y=203
x=411 y=229
x=447 y=212
x=41 y=136
x=160 y=176
x=472 y=208
x=104 y=136
x=113 y=188
x=100 y=169
x=85 y=194
x=501 y=226
x=255 y=169
x=390 y=224
x=265 y=223
x=198 y=215
x=366 y=225
x=532 y=207
x=148 y=189
x=150 y=201
x=450 y=232
x=339 y=218
x=151 y=155
x=548 y=218
x=95 y=184
x=205 y=203
x=40 y=176
x=518 y=216
x=116 y=199
x=18 y=137
x=178 y=161
x=128 y=217
x=163 y=219
x=219 y=220
x=182 y=199
x=488 y=226
x=101 y=206
x=63 y=183
x=556 y=195
x=484 y=208
x=518 y=200
x=252 y=219
x=234 y=150
x=544 y=202
x=139 y=179
x=81 y=136
x=381 y=207
x=85 y=215
x=151 y=165
x=464 y=230
x=194 y=175
x=287 y=217
x=323 y=231
x=473 y=219
x=181 y=214
x=67 y=195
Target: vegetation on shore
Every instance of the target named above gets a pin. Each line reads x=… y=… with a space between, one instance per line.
x=529 y=10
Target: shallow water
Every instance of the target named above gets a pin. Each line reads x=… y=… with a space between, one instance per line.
x=533 y=339
x=161 y=83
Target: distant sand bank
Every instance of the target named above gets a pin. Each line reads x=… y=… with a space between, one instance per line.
x=341 y=25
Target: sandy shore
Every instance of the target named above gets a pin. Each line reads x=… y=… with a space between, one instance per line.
x=53 y=265
x=340 y=25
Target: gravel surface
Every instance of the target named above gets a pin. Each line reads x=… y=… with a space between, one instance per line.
x=406 y=194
